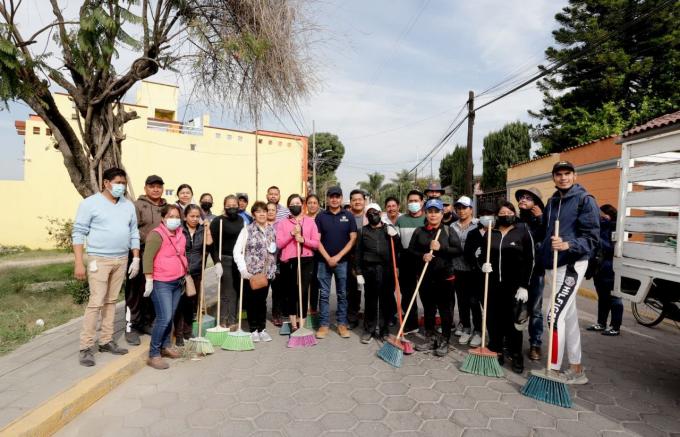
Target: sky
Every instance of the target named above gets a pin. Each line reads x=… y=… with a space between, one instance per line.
x=392 y=76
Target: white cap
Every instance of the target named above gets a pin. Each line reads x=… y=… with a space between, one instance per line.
x=464 y=200
x=373 y=206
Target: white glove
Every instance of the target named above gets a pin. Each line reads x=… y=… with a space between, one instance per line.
x=134 y=268
x=522 y=294
x=360 y=280
x=486 y=268
x=218 y=270
x=392 y=231
x=245 y=274
x=148 y=287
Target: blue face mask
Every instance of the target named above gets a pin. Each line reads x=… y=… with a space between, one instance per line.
x=173 y=223
x=414 y=207
x=117 y=190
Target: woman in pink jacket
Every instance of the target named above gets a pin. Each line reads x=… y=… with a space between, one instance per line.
x=296 y=231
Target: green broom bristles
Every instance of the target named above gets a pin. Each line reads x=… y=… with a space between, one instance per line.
x=310 y=322
x=238 y=341
x=216 y=335
x=482 y=361
x=545 y=388
x=392 y=352
x=199 y=346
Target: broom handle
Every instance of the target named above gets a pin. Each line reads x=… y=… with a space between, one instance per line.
x=299 y=277
x=200 y=300
x=552 y=300
x=219 y=283
x=240 y=293
x=415 y=292
x=397 y=290
x=486 y=284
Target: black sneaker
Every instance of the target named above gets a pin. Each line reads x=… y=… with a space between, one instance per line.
x=501 y=359
x=366 y=337
x=442 y=349
x=596 y=327
x=113 y=348
x=611 y=332
x=132 y=338
x=86 y=357
x=353 y=324
x=429 y=344
x=518 y=363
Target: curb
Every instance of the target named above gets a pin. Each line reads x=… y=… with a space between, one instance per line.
x=55 y=413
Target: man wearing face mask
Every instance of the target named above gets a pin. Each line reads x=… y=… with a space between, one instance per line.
x=226 y=269
x=408 y=274
x=108 y=222
x=140 y=313
x=531 y=214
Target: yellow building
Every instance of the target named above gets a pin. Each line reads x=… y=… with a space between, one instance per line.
x=211 y=159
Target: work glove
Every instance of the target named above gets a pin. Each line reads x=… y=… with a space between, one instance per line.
x=361 y=280
x=218 y=270
x=148 y=287
x=133 y=270
x=392 y=231
x=486 y=268
x=245 y=274
x=522 y=294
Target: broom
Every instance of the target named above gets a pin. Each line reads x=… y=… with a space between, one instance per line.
x=481 y=360
x=392 y=351
x=285 y=328
x=542 y=385
x=200 y=345
x=408 y=346
x=239 y=340
x=303 y=336
x=310 y=322
x=218 y=334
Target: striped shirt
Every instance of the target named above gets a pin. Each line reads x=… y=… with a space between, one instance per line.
x=281 y=213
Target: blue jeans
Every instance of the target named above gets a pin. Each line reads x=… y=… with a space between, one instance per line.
x=165 y=297
x=324 y=275
x=536 y=310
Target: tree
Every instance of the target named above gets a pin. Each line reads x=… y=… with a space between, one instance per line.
x=329 y=151
x=243 y=54
x=373 y=186
x=502 y=149
x=628 y=74
x=452 y=170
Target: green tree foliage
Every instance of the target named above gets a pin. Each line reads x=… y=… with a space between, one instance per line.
x=452 y=170
x=502 y=149
x=373 y=186
x=628 y=75
x=242 y=54
x=329 y=152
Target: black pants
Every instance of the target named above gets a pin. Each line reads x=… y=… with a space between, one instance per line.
x=142 y=313
x=500 y=319
x=314 y=287
x=435 y=293
x=277 y=294
x=184 y=315
x=606 y=303
x=229 y=291
x=408 y=277
x=289 y=280
x=256 y=306
x=378 y=309
x=353 y=294
x=468 y=300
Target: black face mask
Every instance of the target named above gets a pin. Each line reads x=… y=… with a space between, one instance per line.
x=205 y=206
x=525 y=214
x=505 y=220
x=448 y=215
x=232 y=213
x=295 y=210
x=373 y=219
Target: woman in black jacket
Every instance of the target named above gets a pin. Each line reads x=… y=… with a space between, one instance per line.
x=512 y=262
x=435 y=290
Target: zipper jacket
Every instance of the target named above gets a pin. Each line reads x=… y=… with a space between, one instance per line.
x=512 y=256
x=148 y=215
x=374 y=247
x=194 y=248
x=442 y=263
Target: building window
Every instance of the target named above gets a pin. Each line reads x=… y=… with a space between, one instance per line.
x=48 y=131
x=36 y=130
x=240 y=138
x=169 y=192
x=270 y=142
x=259 y=141
x=193 y=147
x=218 y=135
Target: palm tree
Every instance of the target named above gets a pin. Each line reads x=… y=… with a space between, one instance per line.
x=373 y=185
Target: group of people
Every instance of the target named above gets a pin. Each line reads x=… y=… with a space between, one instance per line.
x=161 y=247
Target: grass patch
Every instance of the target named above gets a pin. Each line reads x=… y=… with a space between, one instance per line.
x=21 y=307
x=19 y=253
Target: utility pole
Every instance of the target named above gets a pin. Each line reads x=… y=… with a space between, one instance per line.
x=313 y=158
x=415 y=177
x=471 y=122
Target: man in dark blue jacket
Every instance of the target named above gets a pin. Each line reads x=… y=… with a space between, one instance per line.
x=576 y=241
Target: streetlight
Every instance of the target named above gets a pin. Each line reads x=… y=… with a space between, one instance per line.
x=315 y=163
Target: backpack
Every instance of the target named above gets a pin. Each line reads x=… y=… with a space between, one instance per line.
x=597 y=256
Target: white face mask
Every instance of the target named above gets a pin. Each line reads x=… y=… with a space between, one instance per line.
x=486 y=220
x=414 y=207
x=117 y=190
x=173 y=223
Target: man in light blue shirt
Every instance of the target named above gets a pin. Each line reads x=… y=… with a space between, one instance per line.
x=107 y=221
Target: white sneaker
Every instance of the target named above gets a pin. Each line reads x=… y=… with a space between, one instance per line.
x=476 y=340
x=255 y=336
x=464 y=337
x=459 y=330
x=264 y=336
x=574 y=378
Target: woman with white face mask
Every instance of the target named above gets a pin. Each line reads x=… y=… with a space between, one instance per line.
x=165 y=265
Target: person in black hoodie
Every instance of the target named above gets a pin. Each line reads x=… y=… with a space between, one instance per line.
x=510 y=266
x=375 y=272
x=435 y=289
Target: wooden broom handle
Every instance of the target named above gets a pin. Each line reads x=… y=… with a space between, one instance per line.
x=299 y=277
x=219 y=282
x=397 y=289
x=415 y=292
x=200 y=300
x=552 y=300
x=486 y=283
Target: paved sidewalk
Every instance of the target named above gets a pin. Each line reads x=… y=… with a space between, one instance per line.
x=340 y=388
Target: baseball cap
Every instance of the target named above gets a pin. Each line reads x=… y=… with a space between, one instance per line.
x=334 y=191
x=563 y=165
x=446 y=200
x=434 y=203
x=464 y=200
x=243 y=196
x=373 y=206
x=154 y=179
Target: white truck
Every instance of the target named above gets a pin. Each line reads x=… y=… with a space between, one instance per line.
x=646 y=257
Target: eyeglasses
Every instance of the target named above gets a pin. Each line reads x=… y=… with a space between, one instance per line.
x=526 y=197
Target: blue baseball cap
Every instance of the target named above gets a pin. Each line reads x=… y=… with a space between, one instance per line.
x=434 y=203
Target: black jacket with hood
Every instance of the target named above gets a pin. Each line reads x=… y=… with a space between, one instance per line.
x=442 y=263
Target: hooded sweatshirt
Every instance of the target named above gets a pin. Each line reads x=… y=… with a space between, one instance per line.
x=148 y=215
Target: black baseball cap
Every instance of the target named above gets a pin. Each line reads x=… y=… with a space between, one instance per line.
x=334 y=191
x=154 y=179
x=563 y=165
x=243 y=196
